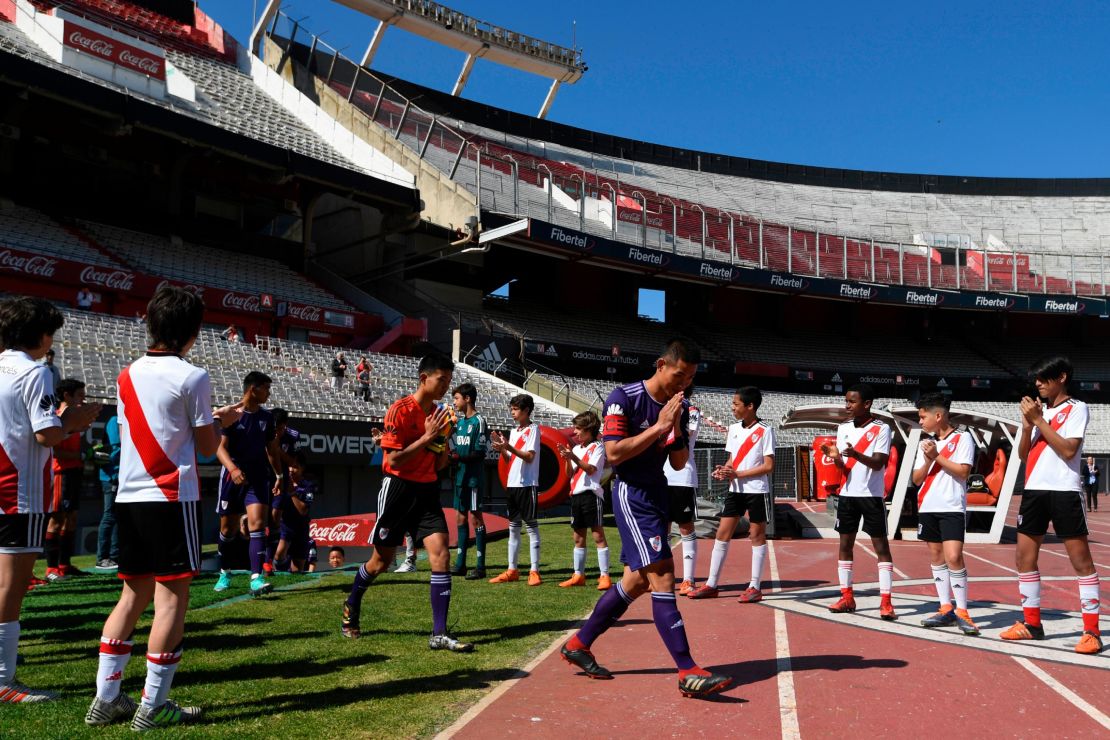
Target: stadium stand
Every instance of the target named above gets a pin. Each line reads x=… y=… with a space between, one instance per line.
x=25 y=228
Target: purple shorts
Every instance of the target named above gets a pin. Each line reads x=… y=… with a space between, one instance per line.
x=234 y=499
x=642 y=520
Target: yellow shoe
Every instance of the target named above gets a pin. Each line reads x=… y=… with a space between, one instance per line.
x=685 y=588
x=1089 y=644
x=509 y=575
x=534 y=578
x=575 y=580
x=604 y=583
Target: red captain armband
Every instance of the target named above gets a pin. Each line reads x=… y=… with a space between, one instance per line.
x=616 y=425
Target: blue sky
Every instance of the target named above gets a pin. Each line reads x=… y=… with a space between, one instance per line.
x=1012 y=89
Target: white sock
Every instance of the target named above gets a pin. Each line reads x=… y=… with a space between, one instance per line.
x=689 y=556
x=886 y=577
x=844 y=573
x=1029 y=584
x=534 y=544
x=114 y=655
x=1088 y=593
x=9 y=646
x=603 y=560
x=720 y=552
x=942 y=582
x=959 y=587
x=410 y=548
x=759 y=554
x=580 y=561
x=514 y=545
x=160 y=668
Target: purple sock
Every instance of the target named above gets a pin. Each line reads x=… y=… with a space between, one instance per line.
x=668 y=621
x=363 y=579
x=223 y=550
x=610 y=607
x=257 y=551
x=441 y=602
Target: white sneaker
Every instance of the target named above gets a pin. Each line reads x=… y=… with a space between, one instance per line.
x=408 y=566
x=106 y=712
x=166 y=715
x=17 y=693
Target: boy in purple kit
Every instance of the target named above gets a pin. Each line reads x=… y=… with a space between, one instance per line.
x=645 y=424
x=251 y=463
x=296 y=503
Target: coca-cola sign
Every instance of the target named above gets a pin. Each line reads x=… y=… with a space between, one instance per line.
x=36 y=265
x=304 y=313
x=108 y=278
x=344 y=530
x=241 y=302
x=86 y=40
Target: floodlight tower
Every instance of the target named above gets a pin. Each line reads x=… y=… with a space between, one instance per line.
x=475 y=38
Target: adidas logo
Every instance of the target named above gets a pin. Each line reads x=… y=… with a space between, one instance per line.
x=937 y=580
x=956 y=585
x=490 y=359
x=445 y=593
x=644 y=424
x=678 y=624
x=836 y=378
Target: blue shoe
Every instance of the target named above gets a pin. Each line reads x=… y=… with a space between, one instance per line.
x=224 y=583
x=940 y=619
x=259 y=586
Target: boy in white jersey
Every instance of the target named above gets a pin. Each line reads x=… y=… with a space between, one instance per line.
x=682 y=484
x=166 y=420
x=1052 y=447
x=29 y=428
x=943 y=463
x=585 y=466
x=751 y=450
x=523 y=451
x=860 y=453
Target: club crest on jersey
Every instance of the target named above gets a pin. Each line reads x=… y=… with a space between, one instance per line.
x=614 y=410
x=1060 y=417
x=656 y=543
x=383 y=532
x=870 y=436
x=951 y=446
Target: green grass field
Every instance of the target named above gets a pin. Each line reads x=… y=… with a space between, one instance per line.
x=278 y=667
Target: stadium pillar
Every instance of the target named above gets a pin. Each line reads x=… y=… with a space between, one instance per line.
x=873 y=259
x=958 y=267
x=268 y=15
x=375 y=41
x=549 y=99
x=844 y=251
x=761 y=260
x=731 y=239
x=789 y=249
x=901 y=267
x=643 y=217
x=464 y=74
x=1013 y=256
x=817 y=256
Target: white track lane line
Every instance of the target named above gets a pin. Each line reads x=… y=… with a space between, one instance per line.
x=788 y=701
x=989 y=562
x=1065 y=556
x=1078 y=701
x=871 y=552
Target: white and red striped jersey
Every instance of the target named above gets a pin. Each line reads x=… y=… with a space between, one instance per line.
x=1044 y=469
x=872 y=438
x=522 y=474
x=746 y=447
x=162 y=399
x=580 y=480
x=940 y=492
x=26 y=407
x=687 y=477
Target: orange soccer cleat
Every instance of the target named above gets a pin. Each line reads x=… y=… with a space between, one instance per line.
x=509 y=575
x=846 y=604
x=604 y=583
x=1023 y=631
x=686 y=588
x=535 y=580
x=575 y=580
x=1089 y=644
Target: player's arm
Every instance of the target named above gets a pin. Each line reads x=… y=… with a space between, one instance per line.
x=1065 y=447
x=223 y=454
x=764 y=468
x=300 y=505
x=432 y=426
x=1030 y=410
x=274 y=454
x=618 y=451
x=918 y=476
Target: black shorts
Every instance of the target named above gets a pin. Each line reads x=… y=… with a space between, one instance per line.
x=21 y=533
x=407 y=507
x=522 y=503
x=1065 y=509
x=684 y=504
x=586 y=510
x=941 y=526
x=158 y=538
x=753 y=504
x=67 y=489
x=850 y=509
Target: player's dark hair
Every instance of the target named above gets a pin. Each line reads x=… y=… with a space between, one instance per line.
x=467 y=391
x=23 y=321
x=67 y=385
x=281 y=416
x=339 y=550
x=865 y=391
x=588 y=420
x=523 y=402
x=254 y=378
x=678 y=350
x=173 y=318
x=750 y=396
x=930 y=401
x=435 y=362
x=1051 y=368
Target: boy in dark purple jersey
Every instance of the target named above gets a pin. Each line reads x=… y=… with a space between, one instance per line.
x=251 y=460
x=645 y=424
x=296 y=504
x=287 y=439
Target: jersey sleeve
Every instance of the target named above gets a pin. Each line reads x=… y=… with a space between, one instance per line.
x=306 y=492
x=197 y=393
x=615 y=426
x=919 y=460
x=732 y=441
x=769 y=442
x=599 y=457
x=394 y=423
x=1076 y=425
x=965 y=452
x=882 y=442
x=533 y=443
x=695 y=421
x=842 y=442
x=479 y=437
x=38 y=398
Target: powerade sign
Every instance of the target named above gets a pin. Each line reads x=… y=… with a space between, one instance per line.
x=652 y=260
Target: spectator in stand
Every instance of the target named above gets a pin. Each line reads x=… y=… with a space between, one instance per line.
x=338 y=370
x=107 y=543
x=140 y=317
x=1089 y=475
x=231 y=334
x=55 y=371
x=85 y=299
x=362 y=374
